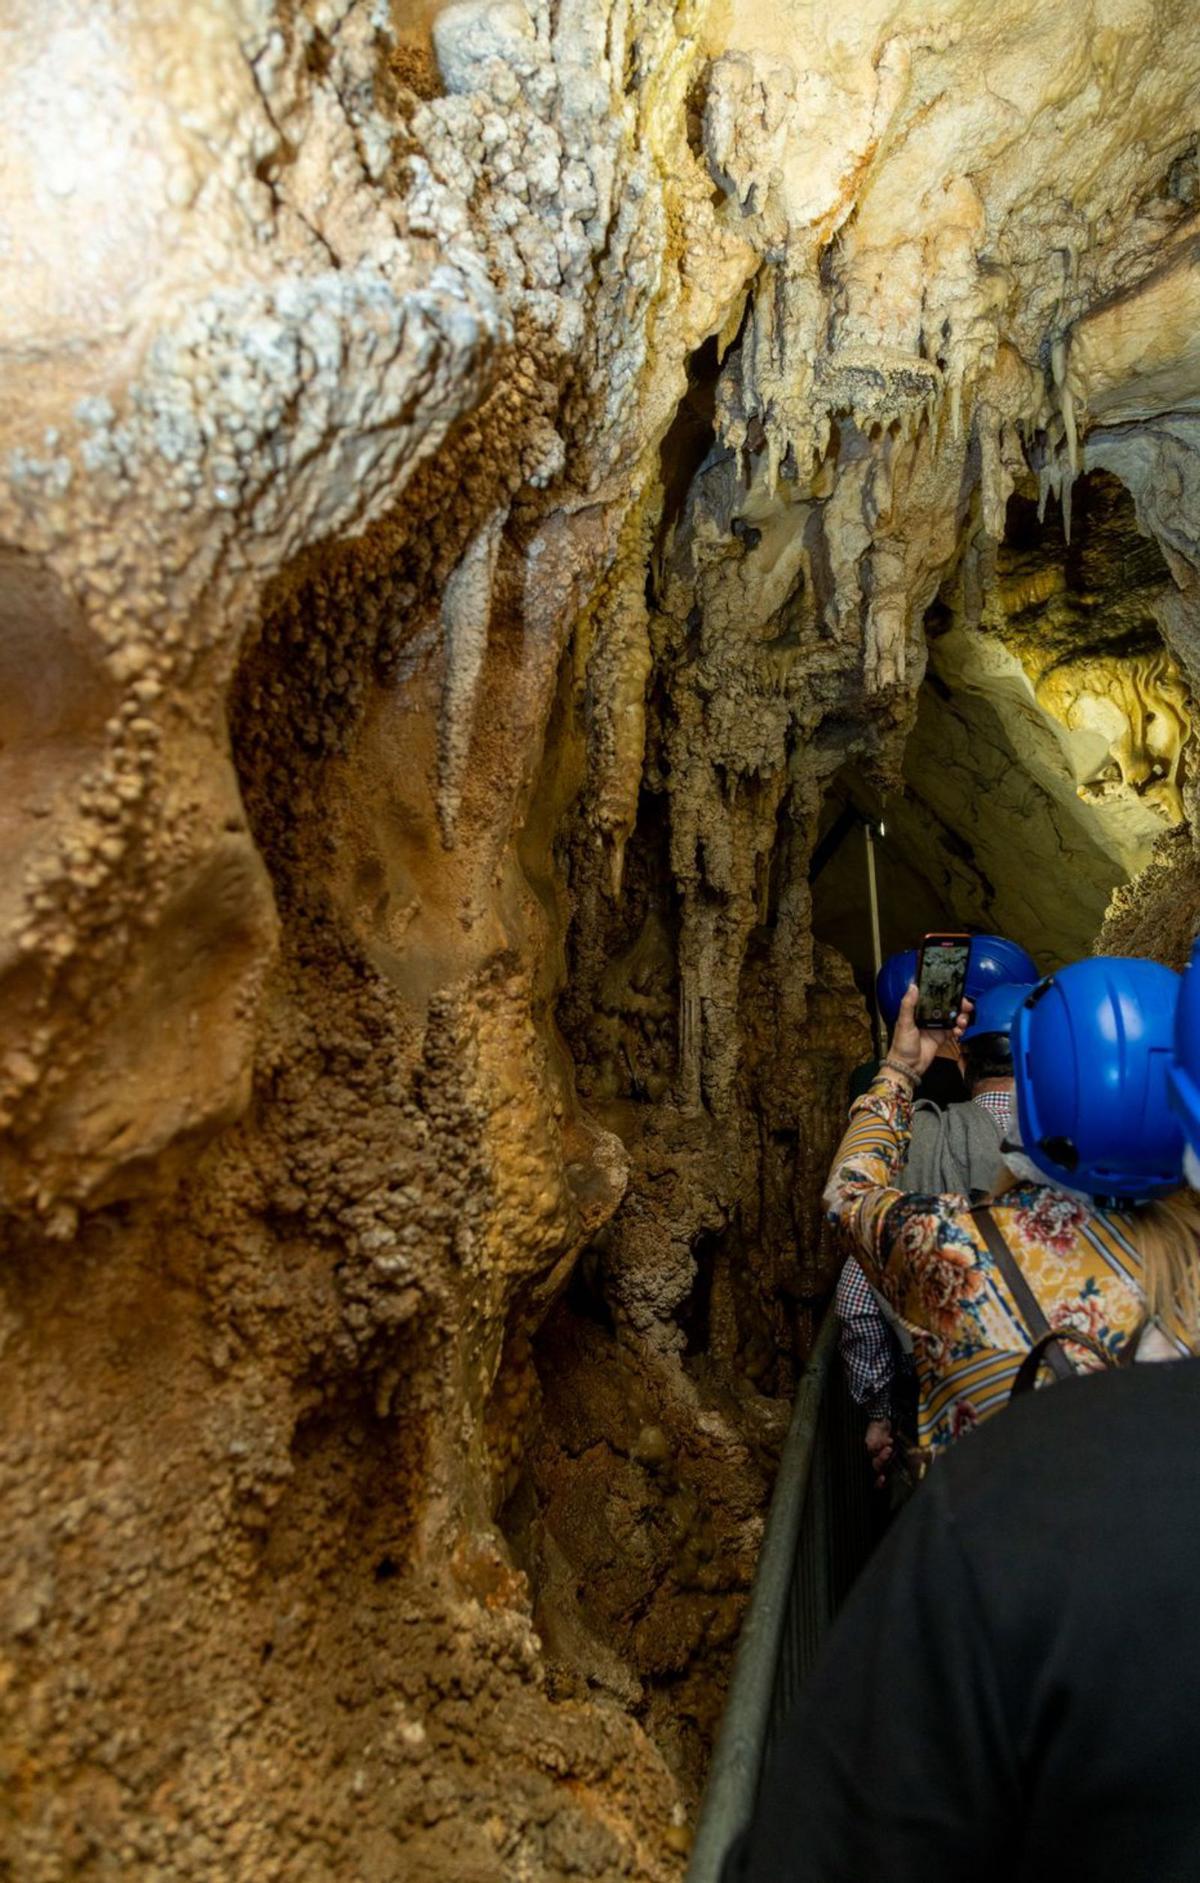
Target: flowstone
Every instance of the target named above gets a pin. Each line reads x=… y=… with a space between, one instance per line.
x=475 y=480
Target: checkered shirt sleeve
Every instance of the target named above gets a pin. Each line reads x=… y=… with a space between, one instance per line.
x=864 y=1343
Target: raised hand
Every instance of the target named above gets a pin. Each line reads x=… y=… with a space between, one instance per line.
x=915 y=1048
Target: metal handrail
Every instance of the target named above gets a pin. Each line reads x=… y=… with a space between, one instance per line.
x=820 y=1528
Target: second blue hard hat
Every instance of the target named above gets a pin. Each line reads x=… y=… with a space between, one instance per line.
x=893 y=981
x=1185 y=1071
x=996 y=1009
x=993 y=960
x=1092 y=1047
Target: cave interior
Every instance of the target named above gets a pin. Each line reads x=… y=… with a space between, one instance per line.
x=490 y=494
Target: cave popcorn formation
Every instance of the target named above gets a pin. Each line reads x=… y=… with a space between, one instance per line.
x=480 y=483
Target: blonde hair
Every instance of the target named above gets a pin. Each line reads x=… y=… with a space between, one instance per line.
x=1167 y=1236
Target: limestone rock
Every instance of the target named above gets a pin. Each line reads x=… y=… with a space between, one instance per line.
x=481 y=487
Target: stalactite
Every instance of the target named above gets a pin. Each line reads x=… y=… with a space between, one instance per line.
x=478 y=482
x=466 y=606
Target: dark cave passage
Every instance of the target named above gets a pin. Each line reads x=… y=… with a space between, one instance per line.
x=1046 y=759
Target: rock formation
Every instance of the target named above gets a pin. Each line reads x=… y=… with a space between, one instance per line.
x=482 y=484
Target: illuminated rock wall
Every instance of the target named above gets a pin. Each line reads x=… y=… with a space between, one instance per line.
x=475 y=479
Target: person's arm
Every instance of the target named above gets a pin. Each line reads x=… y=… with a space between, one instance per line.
x=864 y=1343
x=896 y=1763
x=861 y=1188
x=860 y=1193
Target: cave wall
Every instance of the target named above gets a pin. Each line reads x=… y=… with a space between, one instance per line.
x=475 y=477
x=1051 y=743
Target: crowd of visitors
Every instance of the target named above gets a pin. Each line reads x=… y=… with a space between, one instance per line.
x=1008 y=1692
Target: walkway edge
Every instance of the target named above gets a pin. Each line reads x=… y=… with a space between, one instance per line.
x=732 y=1786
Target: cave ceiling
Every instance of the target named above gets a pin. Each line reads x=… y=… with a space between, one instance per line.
x=480 y=484
x=931 y=255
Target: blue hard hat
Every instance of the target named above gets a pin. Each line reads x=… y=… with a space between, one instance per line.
x=996 y=1008
x=893 y=981
x=994 y=961
x=1091 y=1052
x=1184 y=1081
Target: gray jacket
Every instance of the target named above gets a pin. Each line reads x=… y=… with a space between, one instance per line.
x=953 y=1150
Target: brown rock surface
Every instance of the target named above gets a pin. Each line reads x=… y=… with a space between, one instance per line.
x=480 y=483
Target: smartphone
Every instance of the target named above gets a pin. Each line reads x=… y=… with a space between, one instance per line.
x=941 y=979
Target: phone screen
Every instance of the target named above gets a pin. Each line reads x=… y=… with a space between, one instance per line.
x=941 y=978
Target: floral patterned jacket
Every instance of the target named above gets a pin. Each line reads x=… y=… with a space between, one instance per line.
x=927 y=1257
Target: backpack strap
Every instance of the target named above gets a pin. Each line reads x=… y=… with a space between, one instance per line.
x=1045 y=1349
x=1043 y=1341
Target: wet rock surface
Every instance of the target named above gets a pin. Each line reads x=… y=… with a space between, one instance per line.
x=481 y=487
